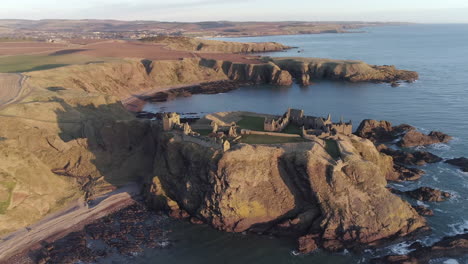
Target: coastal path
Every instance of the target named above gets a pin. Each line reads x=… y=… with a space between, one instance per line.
x=11 y=85
x=70 y=219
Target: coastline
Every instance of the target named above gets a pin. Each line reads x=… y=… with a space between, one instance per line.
x=14 y=247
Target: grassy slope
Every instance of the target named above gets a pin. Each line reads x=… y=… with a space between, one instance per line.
x=263 y=139
x=252 y=123
x=28 y=63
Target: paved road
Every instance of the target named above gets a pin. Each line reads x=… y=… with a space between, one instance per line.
x=67 y=220
x=10 y=87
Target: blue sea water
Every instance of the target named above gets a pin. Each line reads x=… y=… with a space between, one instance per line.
x=438 y=101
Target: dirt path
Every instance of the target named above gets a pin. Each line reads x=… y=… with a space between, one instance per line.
x=10 y=87
x=70 y=219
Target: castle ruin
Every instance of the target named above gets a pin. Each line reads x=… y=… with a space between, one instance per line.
x=310 y=125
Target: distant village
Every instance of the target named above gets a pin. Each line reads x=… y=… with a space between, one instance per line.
x=222 y=136
x=63 y=37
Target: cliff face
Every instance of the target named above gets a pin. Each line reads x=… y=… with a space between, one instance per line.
x=58 y=146
x=205 y=45
x=308 y=69
x=122 y=79
x=285 y=189
x=125 y=78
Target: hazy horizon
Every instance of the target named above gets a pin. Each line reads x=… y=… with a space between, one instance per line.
x=416 y=11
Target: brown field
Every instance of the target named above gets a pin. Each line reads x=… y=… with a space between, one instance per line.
x=17 y=48
x=10 y=86
x=133 y=49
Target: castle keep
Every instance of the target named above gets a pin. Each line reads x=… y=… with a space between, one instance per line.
x=310 y=125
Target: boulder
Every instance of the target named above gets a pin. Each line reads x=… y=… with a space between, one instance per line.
x=406 y=174
x=381 y=131
x=447 y=247
x=376 y=131
x=427 y=194
x=459 y=162
x=307 y=244
x=415 y=138
x=411 y=158
x=423 y=210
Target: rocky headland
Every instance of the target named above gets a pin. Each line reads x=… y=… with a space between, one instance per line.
x=143 y=79
x=78 y=140
x=205 y=45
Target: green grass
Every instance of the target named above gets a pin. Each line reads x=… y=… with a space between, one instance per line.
x=264 y=139
x=292 y=129
x=3 y=40
x=252 y=123
x=4 y=204
x=203 y=132
x=332 y=148
x=27 y=63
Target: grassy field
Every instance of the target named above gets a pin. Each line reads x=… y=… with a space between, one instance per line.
x=203 y=132
x=27 y=63
x=263 y=139
x=9 y=186
x=332 y=148
x=292 y=129
x=252 y=123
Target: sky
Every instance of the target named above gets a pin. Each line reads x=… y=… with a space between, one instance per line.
x=421 y=11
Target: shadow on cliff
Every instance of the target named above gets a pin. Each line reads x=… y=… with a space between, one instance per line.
x=307 y=213
x=105 y=146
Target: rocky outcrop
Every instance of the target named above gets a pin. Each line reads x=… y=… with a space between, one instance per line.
x=381 y=131
x=295 y=189
x=415 y=138
x=426 y=194
x=418 y=158
x=406 y=174
x=459 y=162
x=307 y=69
x=447 y=247
x=205 y=45
x=423 y=210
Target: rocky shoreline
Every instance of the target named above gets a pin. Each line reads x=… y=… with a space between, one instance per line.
x=308 y=184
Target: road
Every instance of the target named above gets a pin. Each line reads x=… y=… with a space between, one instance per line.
x=10 y=87
x=70 y=219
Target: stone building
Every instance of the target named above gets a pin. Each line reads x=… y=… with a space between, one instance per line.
x=310 y=125
x=170 y=120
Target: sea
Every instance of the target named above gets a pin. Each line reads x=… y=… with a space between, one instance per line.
x=437 y=101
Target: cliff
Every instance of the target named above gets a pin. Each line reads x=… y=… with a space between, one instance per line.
x=125 y=78
x=57 y=146
x=306 y=70
x=205 y=45
x=293 y=189
x=129 y=77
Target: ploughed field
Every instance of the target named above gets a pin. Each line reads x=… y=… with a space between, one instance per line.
x=34 y=56
x=10 y=85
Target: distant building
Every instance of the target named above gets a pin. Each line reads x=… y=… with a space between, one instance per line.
x=169 y=120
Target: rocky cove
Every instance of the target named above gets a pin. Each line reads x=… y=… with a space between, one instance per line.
x=76 y=133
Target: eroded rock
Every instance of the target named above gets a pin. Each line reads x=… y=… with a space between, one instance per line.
x=427 y=194
x=296 y=188
x=447 y=247
x=381 y=131
x=459 y=162
x=423 y=210
x=418 y=158
x=415 y=138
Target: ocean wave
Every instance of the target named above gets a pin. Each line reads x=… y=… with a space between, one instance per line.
x=458 y=228
x=401 y=248
x=451 y=261
x=421 y=203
